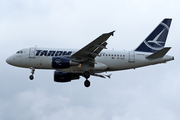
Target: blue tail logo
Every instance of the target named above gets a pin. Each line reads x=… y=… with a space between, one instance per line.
x=157 y=39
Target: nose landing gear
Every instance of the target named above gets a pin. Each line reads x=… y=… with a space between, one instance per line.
x=31 y=77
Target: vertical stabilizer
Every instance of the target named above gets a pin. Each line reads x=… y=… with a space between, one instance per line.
x=157 y=39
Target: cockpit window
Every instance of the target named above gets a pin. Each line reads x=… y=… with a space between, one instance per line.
x=19 y=52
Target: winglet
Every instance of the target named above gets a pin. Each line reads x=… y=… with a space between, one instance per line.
x=112 y=33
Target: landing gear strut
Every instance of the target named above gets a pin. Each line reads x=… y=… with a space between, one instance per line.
x=86 y=75
x=31 y=77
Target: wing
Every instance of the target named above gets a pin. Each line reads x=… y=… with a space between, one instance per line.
x=90 y=51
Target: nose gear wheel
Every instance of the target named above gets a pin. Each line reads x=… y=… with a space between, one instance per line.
x=31 y=77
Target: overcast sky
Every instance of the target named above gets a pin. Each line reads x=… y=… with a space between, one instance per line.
x=149 y=93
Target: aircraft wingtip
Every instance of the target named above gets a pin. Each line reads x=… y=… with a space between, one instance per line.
x=112 y=33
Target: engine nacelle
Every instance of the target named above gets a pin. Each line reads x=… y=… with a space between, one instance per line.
x=62 y=62
x=64 y=76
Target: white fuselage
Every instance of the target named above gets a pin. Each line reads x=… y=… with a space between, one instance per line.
x=108 y=60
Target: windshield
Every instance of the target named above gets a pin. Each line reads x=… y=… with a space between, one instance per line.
x=19 y=52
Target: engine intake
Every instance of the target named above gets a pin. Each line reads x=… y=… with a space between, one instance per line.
x=64 y=76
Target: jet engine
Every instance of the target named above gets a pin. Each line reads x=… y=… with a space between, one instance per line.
x=62 y=62
x=64 y=76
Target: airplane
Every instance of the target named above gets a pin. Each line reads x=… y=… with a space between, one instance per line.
x=94 y=58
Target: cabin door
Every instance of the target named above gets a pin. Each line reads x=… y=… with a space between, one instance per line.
x=131 y=56
x=32 y=52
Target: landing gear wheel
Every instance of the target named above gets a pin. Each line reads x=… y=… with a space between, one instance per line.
x=87 y=83
x=31 y=77
x=86 y=74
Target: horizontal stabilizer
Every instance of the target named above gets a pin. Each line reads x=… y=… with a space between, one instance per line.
x=159 y=53
x=102 y=76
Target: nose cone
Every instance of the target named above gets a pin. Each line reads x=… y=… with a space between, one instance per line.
x=14 y=60
x=9 y=60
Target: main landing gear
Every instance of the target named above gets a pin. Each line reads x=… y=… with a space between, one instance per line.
x=31 y=77
x=86 y=75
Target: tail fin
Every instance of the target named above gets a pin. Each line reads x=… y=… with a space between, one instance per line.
x=157 y=39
